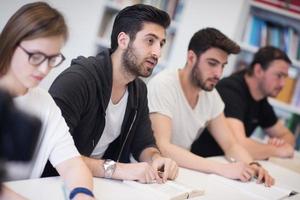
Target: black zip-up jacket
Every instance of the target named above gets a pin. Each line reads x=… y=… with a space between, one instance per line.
x=83 y=92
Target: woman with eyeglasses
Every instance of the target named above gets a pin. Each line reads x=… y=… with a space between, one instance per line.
x=30 y=45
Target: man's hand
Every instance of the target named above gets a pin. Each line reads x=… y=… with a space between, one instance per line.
x=262 y=175
x=142 y=172
x=277 y=142
x=237 y=170
x=284 y=151
x=166 y=167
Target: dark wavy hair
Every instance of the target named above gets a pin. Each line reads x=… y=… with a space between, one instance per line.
x=265 y=55
x=207 y=38
x=130 y=20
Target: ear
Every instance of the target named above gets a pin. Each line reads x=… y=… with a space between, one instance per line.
x=123 y=40
x=191 y=58
x=258 y=70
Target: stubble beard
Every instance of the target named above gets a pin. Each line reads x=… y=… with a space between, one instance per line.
x=198 y=81
x=131 y=67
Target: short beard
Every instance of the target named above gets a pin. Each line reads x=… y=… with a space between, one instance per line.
x=197 y=80
x=131 y=67
x=264 y=91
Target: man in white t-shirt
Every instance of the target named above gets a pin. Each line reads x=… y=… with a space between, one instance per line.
x=183 y=102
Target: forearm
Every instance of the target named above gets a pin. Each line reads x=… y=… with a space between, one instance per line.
x=149 y=154
x=8 y=194
x=239 y=153
x=257 y=150
x=186 y=159
x=289 y=138
x=95 y=166
x=121 y=172
x=75 y=173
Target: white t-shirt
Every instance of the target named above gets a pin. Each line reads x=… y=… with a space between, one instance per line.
x=57 y=144
x=165 y=96
x=113 y=123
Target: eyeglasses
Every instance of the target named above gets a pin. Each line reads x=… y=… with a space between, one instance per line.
x=38 y=58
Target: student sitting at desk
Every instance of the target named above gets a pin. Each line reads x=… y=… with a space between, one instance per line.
x=105 y=103
x=246 y=107
x=183 y=102
x=30 y=45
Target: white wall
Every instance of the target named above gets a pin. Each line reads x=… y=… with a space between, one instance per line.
x=83 y=18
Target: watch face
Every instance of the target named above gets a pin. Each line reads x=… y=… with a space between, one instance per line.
x=109 y=168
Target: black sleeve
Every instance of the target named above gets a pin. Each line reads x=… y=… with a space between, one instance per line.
x=234 y=102
x=144 y=135
x=69 y=91
x=268 y=117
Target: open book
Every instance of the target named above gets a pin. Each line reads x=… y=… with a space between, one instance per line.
x=170 y=190
x=258 y=191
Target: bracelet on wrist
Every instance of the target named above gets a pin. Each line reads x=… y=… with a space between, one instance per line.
x=155 y=154
x=255 y=163
x=78 y=190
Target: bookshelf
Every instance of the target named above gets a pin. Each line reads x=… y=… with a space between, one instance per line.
x=112 y=7
x=276 y=23
x=284 y=106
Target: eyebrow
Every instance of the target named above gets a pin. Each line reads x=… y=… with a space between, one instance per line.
x=156 y=37
x=283 y=73
x=39 y=52
x=215 y=60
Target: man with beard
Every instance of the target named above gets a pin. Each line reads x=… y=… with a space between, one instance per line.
x=105 y=104
x=183 y=102
x=246 y=107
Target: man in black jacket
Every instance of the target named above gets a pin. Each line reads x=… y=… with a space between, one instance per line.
x=105 y=104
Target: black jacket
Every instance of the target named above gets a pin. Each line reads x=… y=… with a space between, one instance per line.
x=83 y=92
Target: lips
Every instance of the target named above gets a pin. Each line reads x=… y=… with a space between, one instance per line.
x=214 y=80
x=38 y=78
x=152 y=61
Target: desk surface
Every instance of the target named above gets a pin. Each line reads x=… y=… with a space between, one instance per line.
x=292 y=164
x=52 y=188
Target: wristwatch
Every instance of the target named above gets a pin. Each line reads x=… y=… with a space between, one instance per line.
x=109 y=167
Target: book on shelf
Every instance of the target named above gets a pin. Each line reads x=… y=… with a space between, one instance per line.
x=291 y=5
x=261 y=32
x=296 y=95
x=170 y=190
x=287 y=91
x=255 y=36
x=293 y=124
x=258 y=191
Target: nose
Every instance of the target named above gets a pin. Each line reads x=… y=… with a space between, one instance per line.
x=44 y=67
x=218 y=71
x=282 y=81
x=156 y=50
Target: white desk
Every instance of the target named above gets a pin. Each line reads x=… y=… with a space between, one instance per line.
x=289 y=163
x=51 y=188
